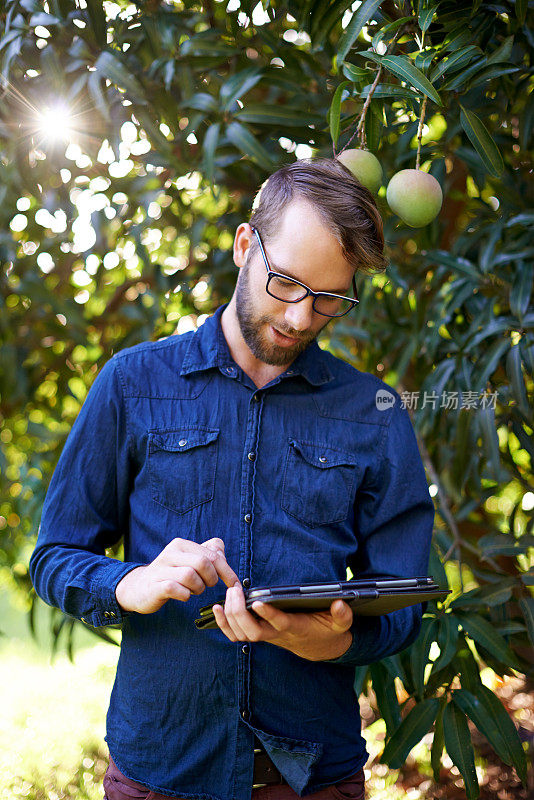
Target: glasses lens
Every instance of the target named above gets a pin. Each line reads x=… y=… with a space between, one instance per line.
x=285 y=289
x=332 y=306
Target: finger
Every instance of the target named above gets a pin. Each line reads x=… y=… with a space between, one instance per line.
x=231 y=609
x=278 y=619
x=189 y=577
x=222 y=622
x=342 y=615
x=215 y=544
x=177 y=547
x=254 y=629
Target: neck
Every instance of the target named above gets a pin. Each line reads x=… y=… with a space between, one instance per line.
x=258 y=371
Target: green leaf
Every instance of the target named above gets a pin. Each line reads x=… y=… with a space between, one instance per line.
x=238 y=85
x=438 y=742
x=97 y=17
x=200 y=101
x=389 y=90
x=492 y=595
x=490 y=439
x=356 y=74
x=521 y=10
x=457 y=82
x=464 y=662
x=96 y=92
x=407 y=71
x=246 y=142
x=527 y=607
x=489 y=362
x=457 y=263
x=515 y=374
x=360 y=679
x=459 y=747
x=410 y=732
x=388 y=31
x=503 y=52
x=112 y=68
x=425 y=18
x=436 y=568
x=489 y=73
x=420 y=651
x=454 y=61
x=373 y=124
x=386 y=696
x=482 y=141
x=482 y=631
x=361 y=16
x=335 y=111
x=505 y=544
x=447 y=640
x=521 y=289
x=278 y=115
x=507 y=730
x=324 y=16
x=209 y=146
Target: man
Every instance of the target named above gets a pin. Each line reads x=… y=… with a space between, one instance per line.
x=243 y=453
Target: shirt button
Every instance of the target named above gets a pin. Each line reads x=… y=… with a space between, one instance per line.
x=247 y=517
x=289 y=372
x=245 y=714
x=106 y=613
x=245 y=649
x=246 y=582
x=256 y=397
x=251 y=456
x=182 y=442
x=322 y=459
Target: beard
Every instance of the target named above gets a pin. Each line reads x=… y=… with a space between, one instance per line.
x=251 y=325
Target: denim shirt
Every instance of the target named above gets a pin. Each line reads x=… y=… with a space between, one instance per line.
x=301 y=478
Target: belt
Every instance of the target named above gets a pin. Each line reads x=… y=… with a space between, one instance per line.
x=265 y=772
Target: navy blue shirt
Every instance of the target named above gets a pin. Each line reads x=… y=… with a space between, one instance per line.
x=301 y=478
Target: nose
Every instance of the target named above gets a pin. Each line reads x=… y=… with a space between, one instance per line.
x=298 y=317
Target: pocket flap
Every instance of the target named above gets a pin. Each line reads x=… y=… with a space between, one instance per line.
x=182 y=439
x=322 y=456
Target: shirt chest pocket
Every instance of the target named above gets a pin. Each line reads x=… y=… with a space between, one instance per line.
x=319 y=483
x=182 y=463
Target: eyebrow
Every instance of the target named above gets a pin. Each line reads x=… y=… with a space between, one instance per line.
x=285 y=272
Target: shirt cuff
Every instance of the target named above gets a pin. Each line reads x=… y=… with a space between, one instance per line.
x=108 y=611
x=367 y=635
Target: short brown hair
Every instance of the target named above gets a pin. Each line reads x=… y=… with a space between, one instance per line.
x=347 y=208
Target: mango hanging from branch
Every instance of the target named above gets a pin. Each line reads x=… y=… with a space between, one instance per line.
x=415 y=197
x=364 y=166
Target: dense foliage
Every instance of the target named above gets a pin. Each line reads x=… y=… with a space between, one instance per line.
x=117 y=223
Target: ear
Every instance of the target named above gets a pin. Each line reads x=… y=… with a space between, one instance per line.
x=242 y=242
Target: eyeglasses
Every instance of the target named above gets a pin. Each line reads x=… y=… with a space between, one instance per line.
x=289 y=290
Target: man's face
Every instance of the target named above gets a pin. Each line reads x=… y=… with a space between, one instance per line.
x=307 y=251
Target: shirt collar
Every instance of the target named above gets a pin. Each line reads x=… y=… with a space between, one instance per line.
x=208 y=348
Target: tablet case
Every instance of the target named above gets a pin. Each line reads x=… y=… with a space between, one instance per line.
x=367 y=596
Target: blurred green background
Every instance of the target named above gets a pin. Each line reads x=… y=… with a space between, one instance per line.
x=134 y=138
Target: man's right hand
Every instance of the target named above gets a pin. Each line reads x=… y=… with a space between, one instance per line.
x=182 y=568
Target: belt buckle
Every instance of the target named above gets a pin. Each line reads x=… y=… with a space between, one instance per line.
x=263 y=765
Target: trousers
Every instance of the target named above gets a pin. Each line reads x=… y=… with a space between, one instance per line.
x=118 y=787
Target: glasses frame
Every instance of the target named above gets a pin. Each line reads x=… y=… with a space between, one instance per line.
x=271 y=273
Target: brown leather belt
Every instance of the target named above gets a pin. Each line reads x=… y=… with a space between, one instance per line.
x=265 y=772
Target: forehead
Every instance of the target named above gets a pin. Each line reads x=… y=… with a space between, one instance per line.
x=305 y=249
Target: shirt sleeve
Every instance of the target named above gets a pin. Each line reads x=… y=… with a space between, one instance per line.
x=86 y=510
x=394 y=518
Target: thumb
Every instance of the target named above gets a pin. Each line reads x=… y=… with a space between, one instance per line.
x=342 y=615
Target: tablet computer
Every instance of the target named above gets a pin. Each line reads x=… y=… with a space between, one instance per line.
x=367 y=596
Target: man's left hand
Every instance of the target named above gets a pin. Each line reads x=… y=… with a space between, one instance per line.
x=315 y=636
